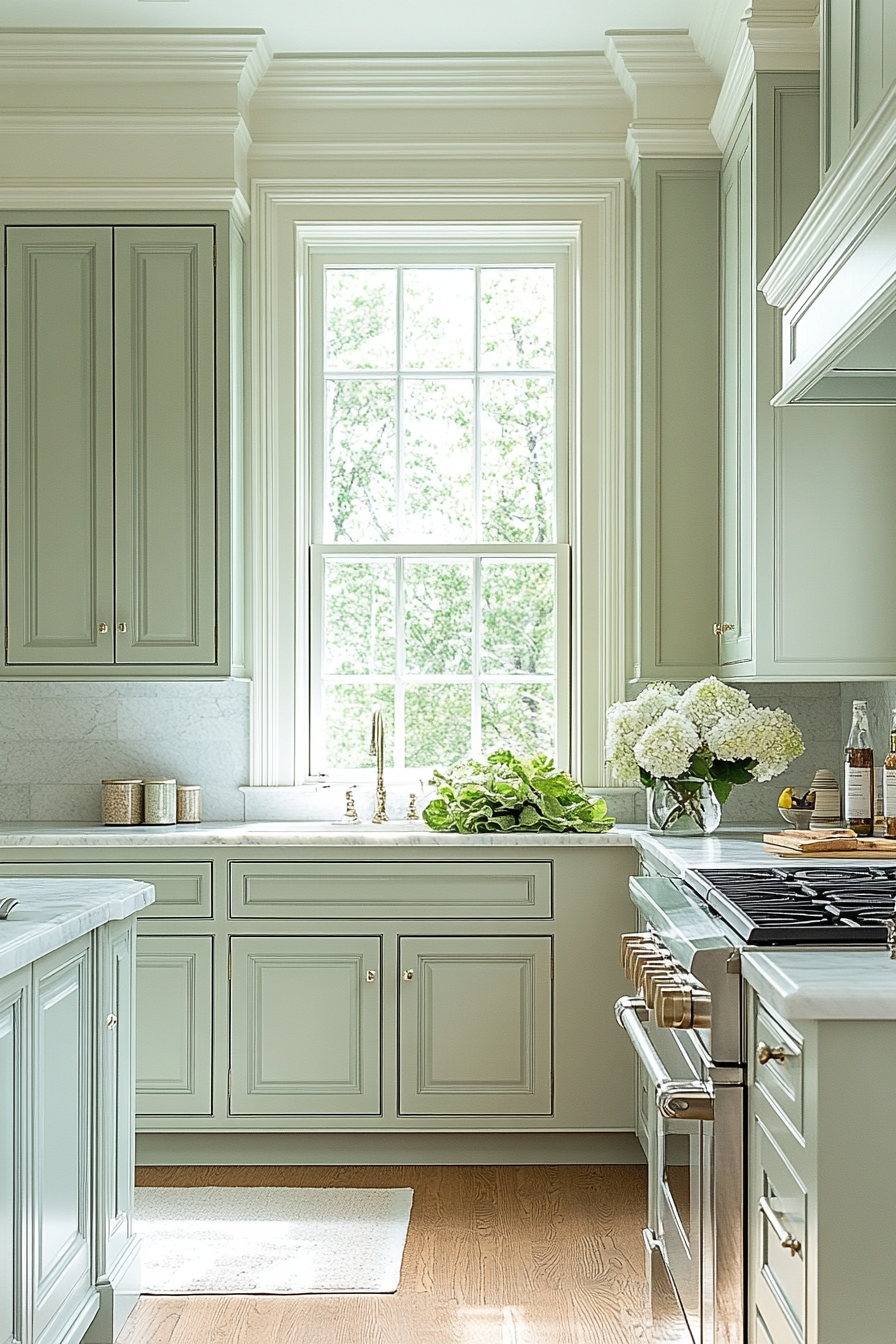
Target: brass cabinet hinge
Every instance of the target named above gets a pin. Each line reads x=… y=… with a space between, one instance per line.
x=229 y=965
x=228 y=1084
x=552 y=965
x=214 y=254
x=6 y=638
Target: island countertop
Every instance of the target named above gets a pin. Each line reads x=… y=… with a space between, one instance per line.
x=53 y=911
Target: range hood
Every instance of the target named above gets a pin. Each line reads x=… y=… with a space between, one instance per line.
x=835 y=280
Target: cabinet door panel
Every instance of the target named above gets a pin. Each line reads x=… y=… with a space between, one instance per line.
x=305 y=1022
x=165 y=445
x=736 y=644
x=59 y=447
x=115 y=1160
x=13 y=1051
x=475 y=1026
x=62 y=1137
x=174 y=1025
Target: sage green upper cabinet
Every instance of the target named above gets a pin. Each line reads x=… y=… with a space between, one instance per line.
x=860 y=67
x=118 y=466
x=677 y=284
x=806 y=490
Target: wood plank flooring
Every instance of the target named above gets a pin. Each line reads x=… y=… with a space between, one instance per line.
x=495 y=1255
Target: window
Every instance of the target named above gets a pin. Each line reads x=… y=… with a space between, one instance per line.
x=438 y=429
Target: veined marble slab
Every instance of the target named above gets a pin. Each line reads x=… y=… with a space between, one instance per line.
x=53 y=911
x=299 y=833
x=830 y=983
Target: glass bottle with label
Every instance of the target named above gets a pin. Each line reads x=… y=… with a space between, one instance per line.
x=858 y=795
x=890 y=784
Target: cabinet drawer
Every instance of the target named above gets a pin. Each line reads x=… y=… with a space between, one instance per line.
x=780 y=1080
x=513 y=890
x=183 y=890
x=780 y=1271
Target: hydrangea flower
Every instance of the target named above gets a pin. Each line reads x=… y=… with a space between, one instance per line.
x=767 y=736
x=665 y=748
x=656 y=698
x=625 y=724
x=708 y=701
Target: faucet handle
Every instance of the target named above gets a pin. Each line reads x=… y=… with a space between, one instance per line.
x=351 y=812
x=412 y=814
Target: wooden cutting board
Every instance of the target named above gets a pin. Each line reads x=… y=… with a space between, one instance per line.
x=842 y=842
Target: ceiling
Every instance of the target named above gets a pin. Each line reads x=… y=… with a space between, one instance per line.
x=399 y=25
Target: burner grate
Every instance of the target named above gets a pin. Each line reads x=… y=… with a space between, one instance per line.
x=803 y=905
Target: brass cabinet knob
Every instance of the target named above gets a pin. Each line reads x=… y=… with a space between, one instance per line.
x=765 y=1053
x=371 y=976
x=111 y=1021
x=720 y=629
x=103 y=628
x=407 y=975
x=123 y=627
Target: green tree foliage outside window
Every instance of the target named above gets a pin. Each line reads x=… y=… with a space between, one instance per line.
x=439 y=389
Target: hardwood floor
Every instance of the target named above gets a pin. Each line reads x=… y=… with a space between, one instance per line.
x=495 y=1255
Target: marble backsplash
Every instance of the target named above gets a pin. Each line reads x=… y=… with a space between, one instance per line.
x=817 y=711
x=58 y=740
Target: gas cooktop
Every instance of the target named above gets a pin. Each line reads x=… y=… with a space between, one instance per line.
x=792 y=906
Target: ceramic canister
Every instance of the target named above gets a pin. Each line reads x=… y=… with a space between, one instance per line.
x=160 y=802
x=826 y=813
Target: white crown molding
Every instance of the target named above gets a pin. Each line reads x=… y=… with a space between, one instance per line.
x=570 y=147
x=851 y=200
x=103 y=194
x=677 y=141
x=769 y=39
x=121 y=121
x=672 y=90
x=575 y=79
x=128 y=55
x=399 y=191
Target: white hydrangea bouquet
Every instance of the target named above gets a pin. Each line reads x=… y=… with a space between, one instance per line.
x=690 y=748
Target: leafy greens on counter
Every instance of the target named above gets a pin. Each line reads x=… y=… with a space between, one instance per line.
x=508 y=794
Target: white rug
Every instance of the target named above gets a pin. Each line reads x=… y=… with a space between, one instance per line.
x=217 y=1239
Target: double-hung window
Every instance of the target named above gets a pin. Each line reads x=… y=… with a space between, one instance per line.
x=438 y=427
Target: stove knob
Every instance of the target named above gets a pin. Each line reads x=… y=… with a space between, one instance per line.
x=630 y=941
x=645 y=946
x=672 y=1005
x=653 y=978
x=701 y=1009
x=645 y=971
x=640 y=959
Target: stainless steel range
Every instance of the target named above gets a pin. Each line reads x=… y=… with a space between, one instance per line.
x=686 y=1023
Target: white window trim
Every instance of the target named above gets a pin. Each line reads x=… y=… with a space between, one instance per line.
x=590 y=221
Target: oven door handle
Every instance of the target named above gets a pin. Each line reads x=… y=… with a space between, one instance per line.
x=676 y=1100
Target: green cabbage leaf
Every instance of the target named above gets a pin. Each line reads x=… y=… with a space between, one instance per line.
x=508 y=794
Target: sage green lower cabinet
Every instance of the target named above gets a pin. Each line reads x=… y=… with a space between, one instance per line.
x=15 y=1004
x=305 y=1026
x=821 y=1187
x=174 y=1025
x=117 y=1250
x=475 y=1026
x=61 y=1253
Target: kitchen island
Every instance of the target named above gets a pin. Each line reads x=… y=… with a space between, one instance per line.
x=69 y=1260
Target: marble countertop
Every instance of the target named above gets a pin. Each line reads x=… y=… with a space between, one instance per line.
x=53 y=911
x=831 y=983
x=300 y=833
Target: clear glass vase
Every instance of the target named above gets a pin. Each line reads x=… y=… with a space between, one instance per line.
x=683 y=807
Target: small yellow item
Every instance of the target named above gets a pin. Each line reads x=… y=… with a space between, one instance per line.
x=786 y=799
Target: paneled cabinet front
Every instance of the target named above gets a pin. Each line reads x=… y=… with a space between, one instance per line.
x=61 y=1253
x=305 y=1026
x=174 y=1025
x=475 y=1026
x=111 y=449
